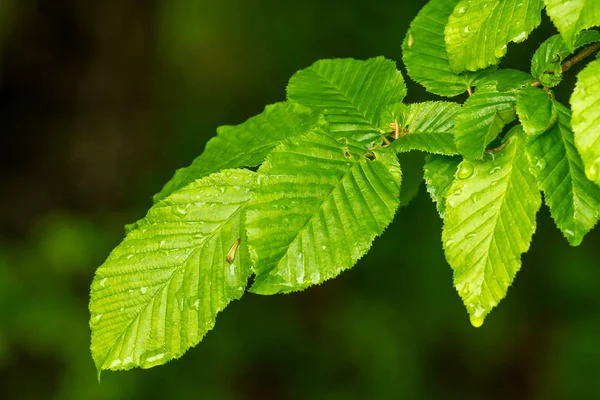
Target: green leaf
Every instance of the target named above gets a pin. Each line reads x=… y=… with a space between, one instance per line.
x=535 y=110
x=159 y=291
x=439 y=176
x=319 y=205
x=490 y=219
x=478 y=31
x=481 y=119
x=573 y=200
x=351 y=94
x=585 y=102
x=571 y=17
x=244 y=145
x=546 y=63
x=423 y=126
x=424 y=52
x=506 y=80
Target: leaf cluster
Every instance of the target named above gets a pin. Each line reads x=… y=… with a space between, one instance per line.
x=296 y=195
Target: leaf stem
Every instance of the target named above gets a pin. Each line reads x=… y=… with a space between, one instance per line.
x=586 y=52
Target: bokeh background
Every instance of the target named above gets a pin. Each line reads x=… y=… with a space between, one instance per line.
x=100 y=101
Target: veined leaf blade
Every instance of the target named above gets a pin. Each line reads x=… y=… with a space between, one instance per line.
x=490 y=219
x=159 y=291
x=319 y=205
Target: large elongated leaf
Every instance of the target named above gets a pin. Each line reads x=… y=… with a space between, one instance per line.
x=439 y=174
x=546 y=64
x=536 y=110
x=478 y=31
x=571 y=17
x=574 y=201
x=159 y=291
x=351 y=93
x=244 y=145
x=319 y=205
x=423 y=126
x=586 y=118
x=424 y=52
x=481 y=119
x=490 y=219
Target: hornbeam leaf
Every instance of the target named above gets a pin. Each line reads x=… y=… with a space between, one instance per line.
x=571 y=17
x=424 y=52
x=574 y=201
x=490 y=219
x=422 y=126
x=244 y=145
x=546 y=64
x=319 y=204
x=439 y=175
x=351 y=94
x=585 y=102
x=535 y=110
x=506 y=80
x=159 y=291
x=479 y=31
x=481 y=119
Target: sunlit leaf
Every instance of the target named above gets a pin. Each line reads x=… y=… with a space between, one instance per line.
x=424 y=52
x=571 y=17
x=319 y=204
x=159 y=291
x=351 y=94
x=489 y=223
x=574 y=201
x=586 y=118
x=479 y=31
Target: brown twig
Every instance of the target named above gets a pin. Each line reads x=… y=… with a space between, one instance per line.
x=586 y=52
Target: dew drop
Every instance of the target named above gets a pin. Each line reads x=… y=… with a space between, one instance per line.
x=461 y=9
x=457 y=192
x=449 y=243
x=593 y=169
x=465 y=171
x=541 y=164
x=143 y=289
x=477 y=197
x=178 y=211
x=494 y=170
x=464 y=32
x=477 y=317
x=500 y=51
x=411 y=40
x=103 y=282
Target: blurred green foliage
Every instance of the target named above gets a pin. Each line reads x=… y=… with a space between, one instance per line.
x=101 y=101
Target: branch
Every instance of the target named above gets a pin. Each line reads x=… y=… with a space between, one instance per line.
x=586 y=52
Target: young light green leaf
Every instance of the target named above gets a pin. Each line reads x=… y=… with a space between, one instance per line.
x=244 y=145
x=439 y=174
x=351 y=94
x=478 y=31
x=535 y=110
x=159 y=291
x=571 y=17
x=481 y=119
x=573 y=200
x=585 y=102
x=319 y=205
x=424 y=52
x=546 y=64
x=490 y=219
x=422 y=126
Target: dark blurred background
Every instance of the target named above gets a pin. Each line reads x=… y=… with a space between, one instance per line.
x=100 y=101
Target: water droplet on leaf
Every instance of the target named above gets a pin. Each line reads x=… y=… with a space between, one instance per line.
x=461 y=9
x=465 y=171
